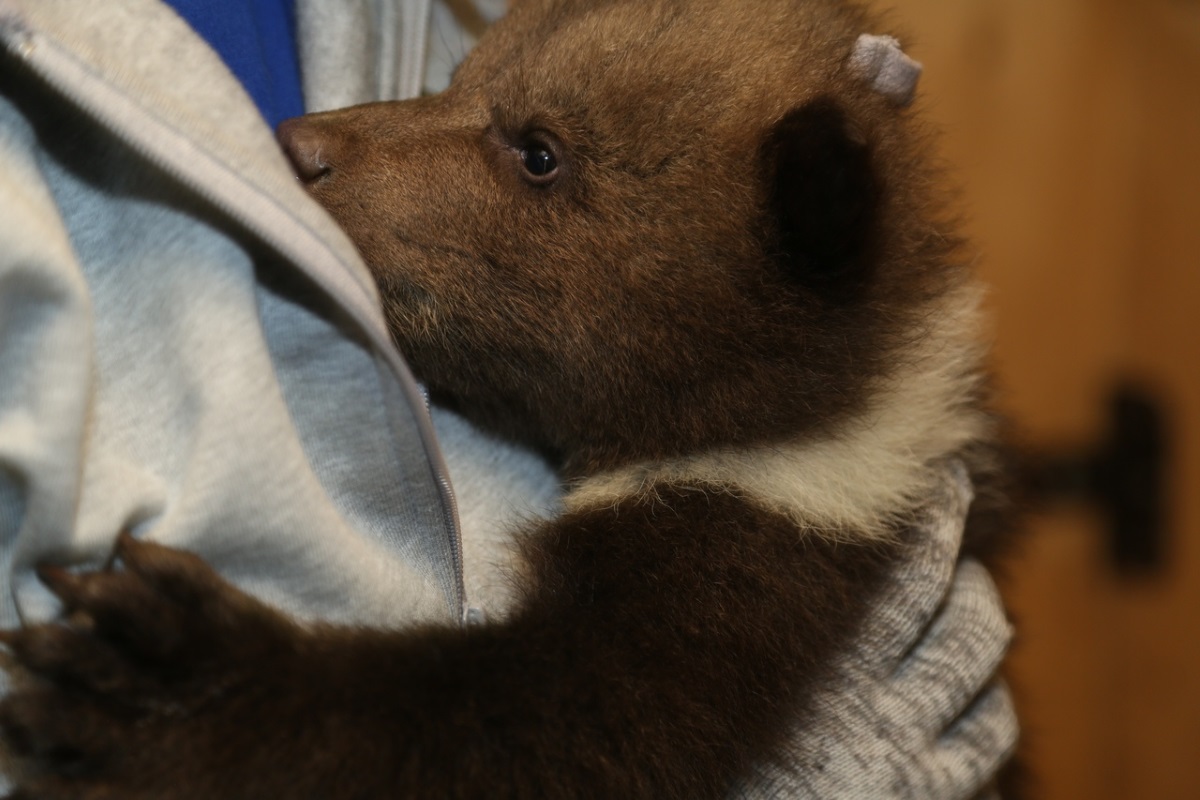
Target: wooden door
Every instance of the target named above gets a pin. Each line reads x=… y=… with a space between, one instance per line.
x=1074 y=128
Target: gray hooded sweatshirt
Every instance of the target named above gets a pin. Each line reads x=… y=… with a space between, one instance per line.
x=190 y=346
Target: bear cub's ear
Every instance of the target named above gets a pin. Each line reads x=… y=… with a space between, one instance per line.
x=824 y=198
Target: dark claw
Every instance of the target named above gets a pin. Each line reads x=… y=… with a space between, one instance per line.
x=58 y=580
x=125 y=541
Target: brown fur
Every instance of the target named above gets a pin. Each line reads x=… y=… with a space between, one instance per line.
x=742 y=248
x=638 y=308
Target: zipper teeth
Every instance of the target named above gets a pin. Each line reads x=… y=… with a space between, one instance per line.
x=176 y=154
x=450 y=508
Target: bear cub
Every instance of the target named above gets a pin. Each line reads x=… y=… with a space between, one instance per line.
x=692 y=250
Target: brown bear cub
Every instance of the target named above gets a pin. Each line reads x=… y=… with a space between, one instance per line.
x=692 y=251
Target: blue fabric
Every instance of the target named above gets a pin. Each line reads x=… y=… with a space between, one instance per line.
x=257 y=40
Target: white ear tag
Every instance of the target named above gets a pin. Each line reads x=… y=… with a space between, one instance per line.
x=880 y=60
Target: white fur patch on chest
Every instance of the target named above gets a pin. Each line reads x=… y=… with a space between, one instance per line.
x=860 y=479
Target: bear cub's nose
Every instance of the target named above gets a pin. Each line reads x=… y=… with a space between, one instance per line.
x=304 y=147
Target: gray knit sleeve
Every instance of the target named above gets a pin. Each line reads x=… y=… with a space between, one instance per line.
x=919 y=711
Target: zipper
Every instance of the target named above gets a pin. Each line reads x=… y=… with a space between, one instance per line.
x=179 y=155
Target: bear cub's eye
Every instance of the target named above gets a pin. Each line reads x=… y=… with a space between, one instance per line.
x=539 y=161
x=536 y=156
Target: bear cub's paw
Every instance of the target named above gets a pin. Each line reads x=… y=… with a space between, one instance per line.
x=145 y=652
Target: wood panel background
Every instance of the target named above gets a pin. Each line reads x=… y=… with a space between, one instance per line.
x=1074 y=128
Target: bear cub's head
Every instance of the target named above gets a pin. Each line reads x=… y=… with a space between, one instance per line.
x=636 y=229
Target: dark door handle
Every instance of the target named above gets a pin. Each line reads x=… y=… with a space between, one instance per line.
x=1123 y=477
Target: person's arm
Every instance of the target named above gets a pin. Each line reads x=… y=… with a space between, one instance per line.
x=920 y=710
